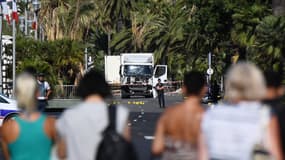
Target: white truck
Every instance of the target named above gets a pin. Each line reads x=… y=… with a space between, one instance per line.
x=112 y=69
x=137 y=73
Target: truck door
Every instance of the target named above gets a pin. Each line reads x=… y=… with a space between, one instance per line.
x=160 y=72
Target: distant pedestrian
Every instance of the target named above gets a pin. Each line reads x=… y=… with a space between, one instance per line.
x=215 y=91
x=44 y=92
x=275 y=91
x=80 y=128
x=238 y=129
x=30 y=135
x=160 y=91
x=178 y=129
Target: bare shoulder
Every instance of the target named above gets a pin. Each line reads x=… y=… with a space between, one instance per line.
x=201 y=109
x=9 y=125
x=9 y=130
x=50 y=127
x=172 y=109
x=50 y=120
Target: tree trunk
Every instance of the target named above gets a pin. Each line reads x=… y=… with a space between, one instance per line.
x=120 y=23
x=109 y=43
x=73 y=26
x=278 y=7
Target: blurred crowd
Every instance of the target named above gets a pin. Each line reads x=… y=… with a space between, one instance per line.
x=246 y=125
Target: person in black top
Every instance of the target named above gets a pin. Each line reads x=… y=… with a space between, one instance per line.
x=215 y=91
x=275 y=92
x=160 y=91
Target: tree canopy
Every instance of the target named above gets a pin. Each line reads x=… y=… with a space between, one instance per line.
x=180 y=33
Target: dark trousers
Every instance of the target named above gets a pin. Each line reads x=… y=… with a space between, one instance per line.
x=42 y=105
x=161 y=100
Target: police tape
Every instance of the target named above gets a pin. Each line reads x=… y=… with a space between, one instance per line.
x=143 y=84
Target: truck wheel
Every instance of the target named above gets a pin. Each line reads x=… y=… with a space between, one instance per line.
x=123 y=95
x=148 y=96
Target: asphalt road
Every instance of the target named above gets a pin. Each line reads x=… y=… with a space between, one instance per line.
x=143 y=118
x=144 y=113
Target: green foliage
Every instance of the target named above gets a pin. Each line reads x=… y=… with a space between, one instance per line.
x=180 y=33
x=270 y=36
x=269 y=43
x=245 y=20
x=58 y=59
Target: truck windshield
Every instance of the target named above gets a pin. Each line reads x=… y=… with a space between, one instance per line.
x=138 y=70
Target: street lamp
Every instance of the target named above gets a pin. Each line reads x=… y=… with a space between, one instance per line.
x=22 y=23
x=36 y=6
x=26 y=4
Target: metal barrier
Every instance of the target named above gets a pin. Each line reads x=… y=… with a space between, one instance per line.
x=64 y=91
x=69 y=91
x=173 y=86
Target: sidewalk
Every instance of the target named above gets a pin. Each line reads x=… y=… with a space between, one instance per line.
x=62 y=103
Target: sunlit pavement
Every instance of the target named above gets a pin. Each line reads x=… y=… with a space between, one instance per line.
x=143 y=117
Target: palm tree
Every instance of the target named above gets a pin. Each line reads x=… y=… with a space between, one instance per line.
x=118 y=11
x=80 y=16
x=270 y=38
x=133 y=39
x=67 y=59
x=245 y=21
x=105 y=23
x=278 y=7
x=167 y=34
x=67 y=18
x=52 y=17
x=113 y=15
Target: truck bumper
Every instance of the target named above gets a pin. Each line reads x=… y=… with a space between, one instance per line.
x=131 y=90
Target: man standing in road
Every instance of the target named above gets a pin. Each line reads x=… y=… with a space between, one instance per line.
x=160 y=91
x=44 y=92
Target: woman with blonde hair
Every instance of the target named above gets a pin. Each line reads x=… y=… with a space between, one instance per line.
x=30 y=135
x=238 y=128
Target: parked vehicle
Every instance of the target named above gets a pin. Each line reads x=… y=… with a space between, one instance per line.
x=112 y=69
x=8 y=108
x=137 y=73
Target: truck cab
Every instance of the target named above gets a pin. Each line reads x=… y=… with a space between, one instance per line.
x=138 y=74
x=160 y=72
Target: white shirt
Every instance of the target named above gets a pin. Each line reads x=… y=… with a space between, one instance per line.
x=46 y=87
x=231 y=131
x=81 y=128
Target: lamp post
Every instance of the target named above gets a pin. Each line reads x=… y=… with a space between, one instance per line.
x=22 y=23
x=36 y=6
x=86 y=59
x=26 y=16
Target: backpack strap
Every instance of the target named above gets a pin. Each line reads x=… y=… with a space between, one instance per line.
x=112 y=116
